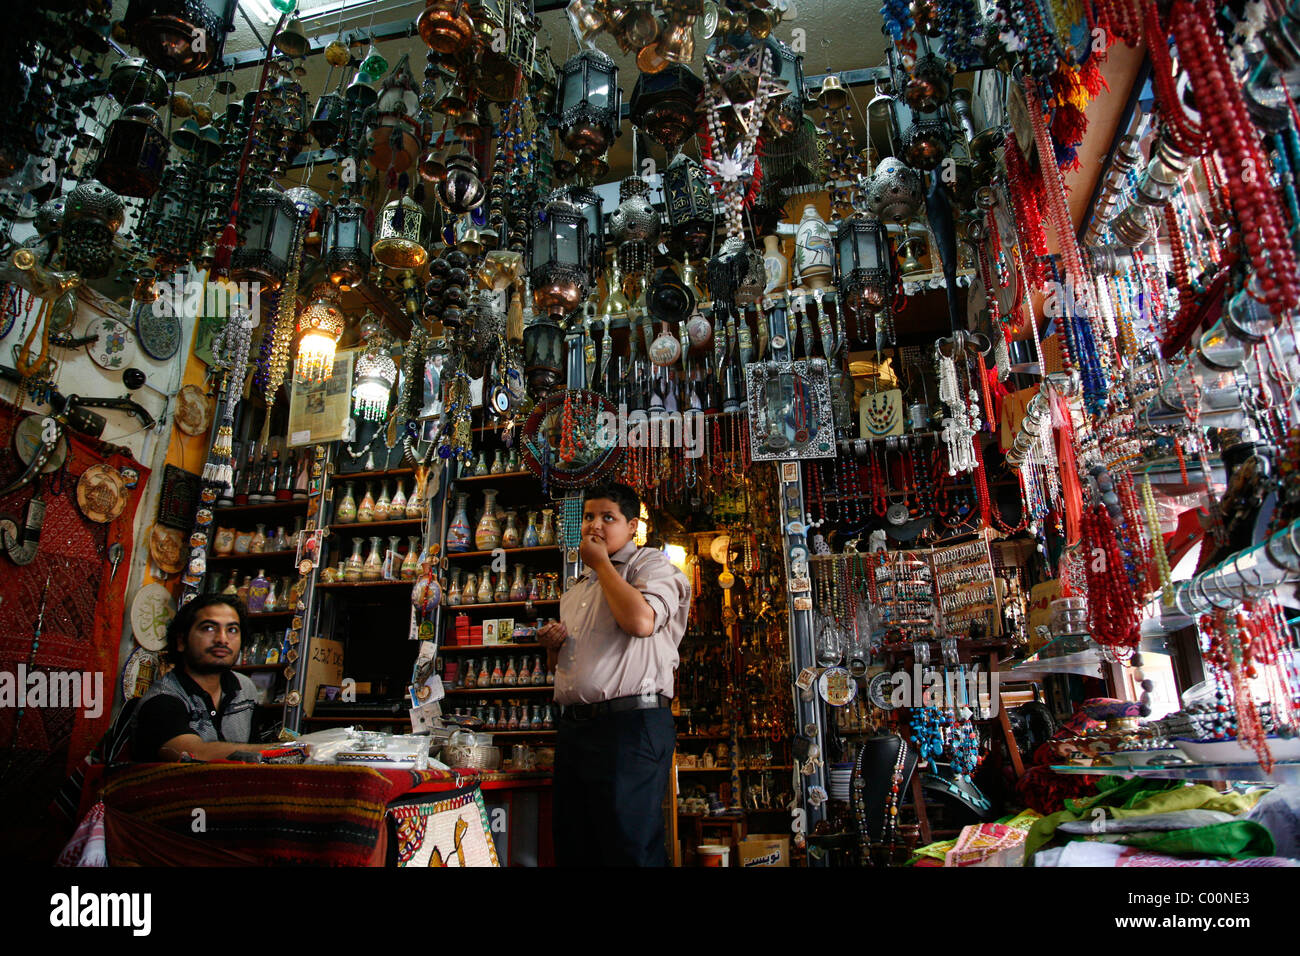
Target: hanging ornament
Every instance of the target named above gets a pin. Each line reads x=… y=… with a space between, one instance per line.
x=319 y=326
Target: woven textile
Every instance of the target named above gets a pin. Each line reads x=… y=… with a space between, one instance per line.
x=448 y=832
x=278 y=815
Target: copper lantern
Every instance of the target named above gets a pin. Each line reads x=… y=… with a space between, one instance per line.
x=588 y=103
x=559 y=263
x=268 y=240
x=346 y=255
x=666 y=105
x=134 y=154
x=180 y=36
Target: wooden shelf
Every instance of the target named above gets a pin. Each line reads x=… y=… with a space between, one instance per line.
x=492 y=647
x=296 y=504
x=346 y=526
x=503 y=691
x=364 y=475
x=554 y=549
x=496 y=604
x=250 y=555
x=339 y=585
x=501 y=475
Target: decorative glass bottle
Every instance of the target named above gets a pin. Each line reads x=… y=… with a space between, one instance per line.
x=383 y=503
x=366 y=507
x=397 y=509
x=509 y=530
x=373 y=569
x=480 y=465
x=513 y=722
x=518 y=588
x=502 y=590
x=393 y=558
x=281 y=540
x=484 y=677
x=546 y=533
x=230 y=585
x=498 y=463
x=346 y=512
x=539 y=676
x=533 y=593
x=484 y=593
x=530 y=532
x=511 y=676
x=470 y=676
x=257 y=593
x=273 y=594
x=498 y=676
x=352 y=571
x=415 y=503
x=488 y=533
x=453 y=592
x=411 y=563
x=257 y=544
x=458 y=533
x=469 y=594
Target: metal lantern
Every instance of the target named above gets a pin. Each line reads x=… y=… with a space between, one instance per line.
x=507 y=38
x=376 y=373
x=319 y=326
x=92 y=216
x=559 y=263
x=588 y=201
x=398 y=232
x=268 y=240
x=346 y=253
x=863 y=261
x=923 y=137
x=787 y=113
x=894 y=191
x=135 y=152
x=180 y=36
x=666 y=105
x=543 y=355
x=132 y=80
x=690 y=204
x=588 y=103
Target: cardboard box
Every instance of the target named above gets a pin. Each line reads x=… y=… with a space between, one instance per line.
x=764 y=849
x=324 y=666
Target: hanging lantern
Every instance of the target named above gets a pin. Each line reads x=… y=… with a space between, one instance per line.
x=543 y=355
x=446 y=27
x=461 y=188
x=690 y=204
x=376 y=373
x=894 y=192
x=505 y=51
x=559 y=265
x=329 y=119
x=398 y=233
x=588 y=103
x=132 y=81
x=135 y=153
x=923 y=137
x=590 y=204
x=863 y=261
x=180 y=36
x=666 y=105
x=268 y=240
x=785 y=113
x=319 y=326
x=92 y=216
x=346 y=253
x=393 y=135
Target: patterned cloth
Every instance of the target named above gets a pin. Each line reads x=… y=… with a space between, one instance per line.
x=448 y=832
x=270 y=815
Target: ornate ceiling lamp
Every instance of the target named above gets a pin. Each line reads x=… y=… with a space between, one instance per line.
x=666 y=106
x=319 y=326
x=588 y=102
x=375 y=375
x=180 y=36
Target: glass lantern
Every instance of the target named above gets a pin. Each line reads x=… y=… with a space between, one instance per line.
x=591 y=205
x=666 y=105
x=543 y=355
x=268 y=240
x=376 y=373
x=690 y=205
x=180 y=36
x=559 y=260
x=588 y=103
x=346 y=255
x=135 y=153
x=398 y=232
x=319 y=326
x=788 y=67
x=863 y=261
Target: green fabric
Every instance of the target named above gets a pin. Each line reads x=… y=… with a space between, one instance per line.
x=1137 y=796
x=1239 y=838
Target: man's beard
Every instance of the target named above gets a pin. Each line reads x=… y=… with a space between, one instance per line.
x=199 y=665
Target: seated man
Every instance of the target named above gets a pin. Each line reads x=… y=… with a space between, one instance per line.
x=202 y=707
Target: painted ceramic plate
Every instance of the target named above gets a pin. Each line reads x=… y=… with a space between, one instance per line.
x=140 y=659
x=27 y=442
x=879 y=690
x=160 y=335
x=114 y=349
x=101 y=493
x=151 y=612
x=193 y=411
x=837 y=686
x=166 y=548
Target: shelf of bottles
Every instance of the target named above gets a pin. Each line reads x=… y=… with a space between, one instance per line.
x=379 y=535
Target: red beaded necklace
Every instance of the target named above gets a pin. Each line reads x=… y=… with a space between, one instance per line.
x=1112 y=609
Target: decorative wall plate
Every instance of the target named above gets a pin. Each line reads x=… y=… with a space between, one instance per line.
x=114 y=346
x=193 y=411
x=879 y=690
x=837 y=686
x=167 y=548
x=160 y=335
x=101 y=493
x=178 y=498
x=151 y=612
x=140 y=658
x=596 y=452
x=27 y=442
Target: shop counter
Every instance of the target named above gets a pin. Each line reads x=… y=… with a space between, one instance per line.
x=235 y=814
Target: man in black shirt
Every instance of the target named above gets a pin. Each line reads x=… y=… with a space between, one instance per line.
x=202 y=707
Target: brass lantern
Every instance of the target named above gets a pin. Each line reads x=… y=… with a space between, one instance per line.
x=588 y=201
x=398 y=234
x=180 y=36
x=666 y=105
x=786 y=113
x=268 y=240
x=923 y=137
x=559 y=265
x=446 y=27
x=689 y=201
x=319 y=326
x=346 y=253
x=863 y=262
x=134 y=154
x=588 y=103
